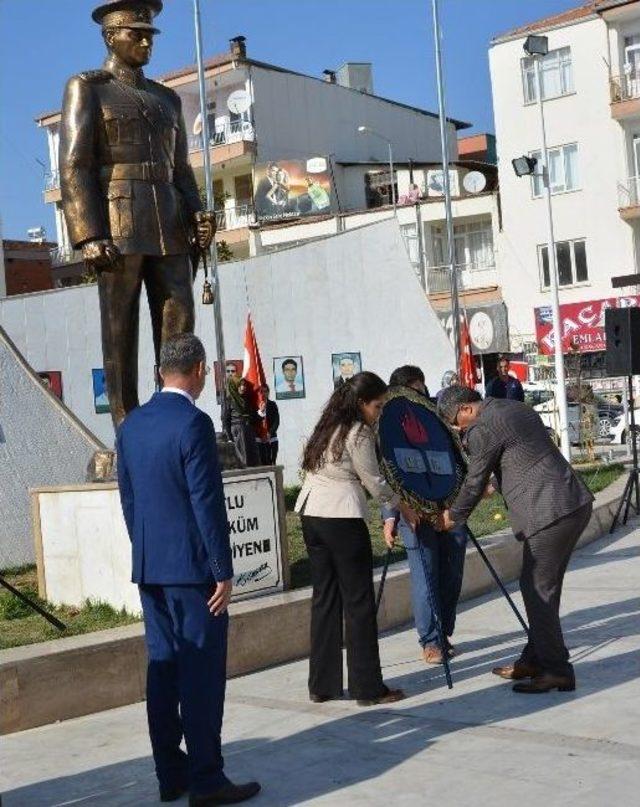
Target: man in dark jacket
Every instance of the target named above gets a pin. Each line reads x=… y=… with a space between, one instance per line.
x=505 y=385
x=549 y=508
x=173 y=505
x=268 y=446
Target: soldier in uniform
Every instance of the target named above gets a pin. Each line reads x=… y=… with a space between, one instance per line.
x=129 y=194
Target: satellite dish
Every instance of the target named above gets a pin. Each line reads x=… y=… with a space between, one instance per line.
x=474 y=182
x=239 y=102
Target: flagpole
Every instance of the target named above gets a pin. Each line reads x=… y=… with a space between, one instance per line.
x=444 y=148
x=208 y=181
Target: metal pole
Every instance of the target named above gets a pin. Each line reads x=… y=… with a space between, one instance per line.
x=561 y=388
x=208 y=180
x=444 y=147
x=393 y=185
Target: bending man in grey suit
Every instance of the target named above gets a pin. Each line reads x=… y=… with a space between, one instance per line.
x=549 y=507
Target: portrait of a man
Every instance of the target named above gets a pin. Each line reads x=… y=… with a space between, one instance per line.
x=232 y=368
x=100 y=396
x=289 y=377
x=345 y=366
x=52 y=380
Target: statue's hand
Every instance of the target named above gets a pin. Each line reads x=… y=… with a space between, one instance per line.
x=101 y=254
x=205 y=221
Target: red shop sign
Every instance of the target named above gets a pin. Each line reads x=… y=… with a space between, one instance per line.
x=582 y=324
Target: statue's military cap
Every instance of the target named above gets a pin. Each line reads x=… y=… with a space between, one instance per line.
x=128 y=14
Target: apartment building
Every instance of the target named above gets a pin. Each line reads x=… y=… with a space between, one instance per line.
x=591 y=97
x=264 y=118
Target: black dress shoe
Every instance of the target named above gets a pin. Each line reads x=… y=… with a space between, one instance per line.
x=227 y=794
x=545 y=682
x=172 y=793
x=324 y=698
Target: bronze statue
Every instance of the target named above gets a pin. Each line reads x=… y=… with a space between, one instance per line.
x=129 y=195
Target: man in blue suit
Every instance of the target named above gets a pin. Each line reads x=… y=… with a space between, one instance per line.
x=173 y=504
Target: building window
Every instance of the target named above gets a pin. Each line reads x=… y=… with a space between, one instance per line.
x=377 y=188
x=563 y=170
x=556 y=75
x=572 y=263
x=473 y=245
x=243 y=189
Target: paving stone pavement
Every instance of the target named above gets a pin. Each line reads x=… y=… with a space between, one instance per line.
x=478 y=744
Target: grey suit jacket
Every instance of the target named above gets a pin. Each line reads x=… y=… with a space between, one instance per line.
x=537 y=483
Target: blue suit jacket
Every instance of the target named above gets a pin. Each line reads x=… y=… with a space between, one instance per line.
x=171 y=494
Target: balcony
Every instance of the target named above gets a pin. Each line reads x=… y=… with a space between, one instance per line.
x=234 y=218
x=629 y=198
x=64 y=256
x=625 y=95
x=229 y=140
x=470 y=276
x=52 y=187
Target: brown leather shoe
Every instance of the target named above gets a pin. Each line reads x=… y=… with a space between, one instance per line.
x=545 y=682
x=516 y=671
x=432 y=654
x=389 y=696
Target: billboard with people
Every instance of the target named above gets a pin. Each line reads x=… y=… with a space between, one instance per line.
x=289 y=189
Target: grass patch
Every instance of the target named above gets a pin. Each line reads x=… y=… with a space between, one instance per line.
x=19 y=625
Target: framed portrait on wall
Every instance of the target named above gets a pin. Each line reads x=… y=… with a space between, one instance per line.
x=288 y=374
x=52 y=380
x=232 y=367
x=345 y=366
x=100 y=397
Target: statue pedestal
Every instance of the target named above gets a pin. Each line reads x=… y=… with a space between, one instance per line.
x=83 y=549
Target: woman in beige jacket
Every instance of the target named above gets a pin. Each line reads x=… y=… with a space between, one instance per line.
x=340 y=463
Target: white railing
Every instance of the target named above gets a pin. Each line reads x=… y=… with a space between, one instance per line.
x=224 y=134
x=625 y=87
x=629 y=192
x=233 y=218
x=51 y=180
x=470 y=276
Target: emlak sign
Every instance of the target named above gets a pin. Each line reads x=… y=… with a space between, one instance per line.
x=582 y=324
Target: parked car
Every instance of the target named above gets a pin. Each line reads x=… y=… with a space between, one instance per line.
x=549 y=415
x=607 y=413
x=619 y=432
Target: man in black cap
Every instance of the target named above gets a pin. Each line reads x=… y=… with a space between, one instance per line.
x=129 y=194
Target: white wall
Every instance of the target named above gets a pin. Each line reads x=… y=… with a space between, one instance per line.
x=591 y=212
x=297 y=117
x=337 y=294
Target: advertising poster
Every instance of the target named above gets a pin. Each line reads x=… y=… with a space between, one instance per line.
x=582 y=324
x=290 y=189
x=100 y=397
x=288 y=372
x=345 y=366
x=488 y=328
x=52 y=380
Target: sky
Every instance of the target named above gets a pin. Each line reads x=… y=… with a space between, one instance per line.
x=43 y=42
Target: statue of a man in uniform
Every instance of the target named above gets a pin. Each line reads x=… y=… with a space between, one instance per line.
x=129 y=194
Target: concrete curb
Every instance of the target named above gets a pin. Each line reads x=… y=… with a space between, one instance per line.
x=67 y=678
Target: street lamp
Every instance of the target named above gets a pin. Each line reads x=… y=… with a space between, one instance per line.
x=367 y=130
x=537 y=47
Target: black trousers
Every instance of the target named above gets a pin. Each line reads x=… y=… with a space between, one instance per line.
x=268 y=453
x=168 y=281
x=342 y=576
x=544 y=563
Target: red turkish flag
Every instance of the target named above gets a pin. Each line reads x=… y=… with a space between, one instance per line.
x=468 y=369
x=253 y=374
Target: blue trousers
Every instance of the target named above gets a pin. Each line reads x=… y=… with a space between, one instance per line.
x=186 y=680
x=444 y=559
